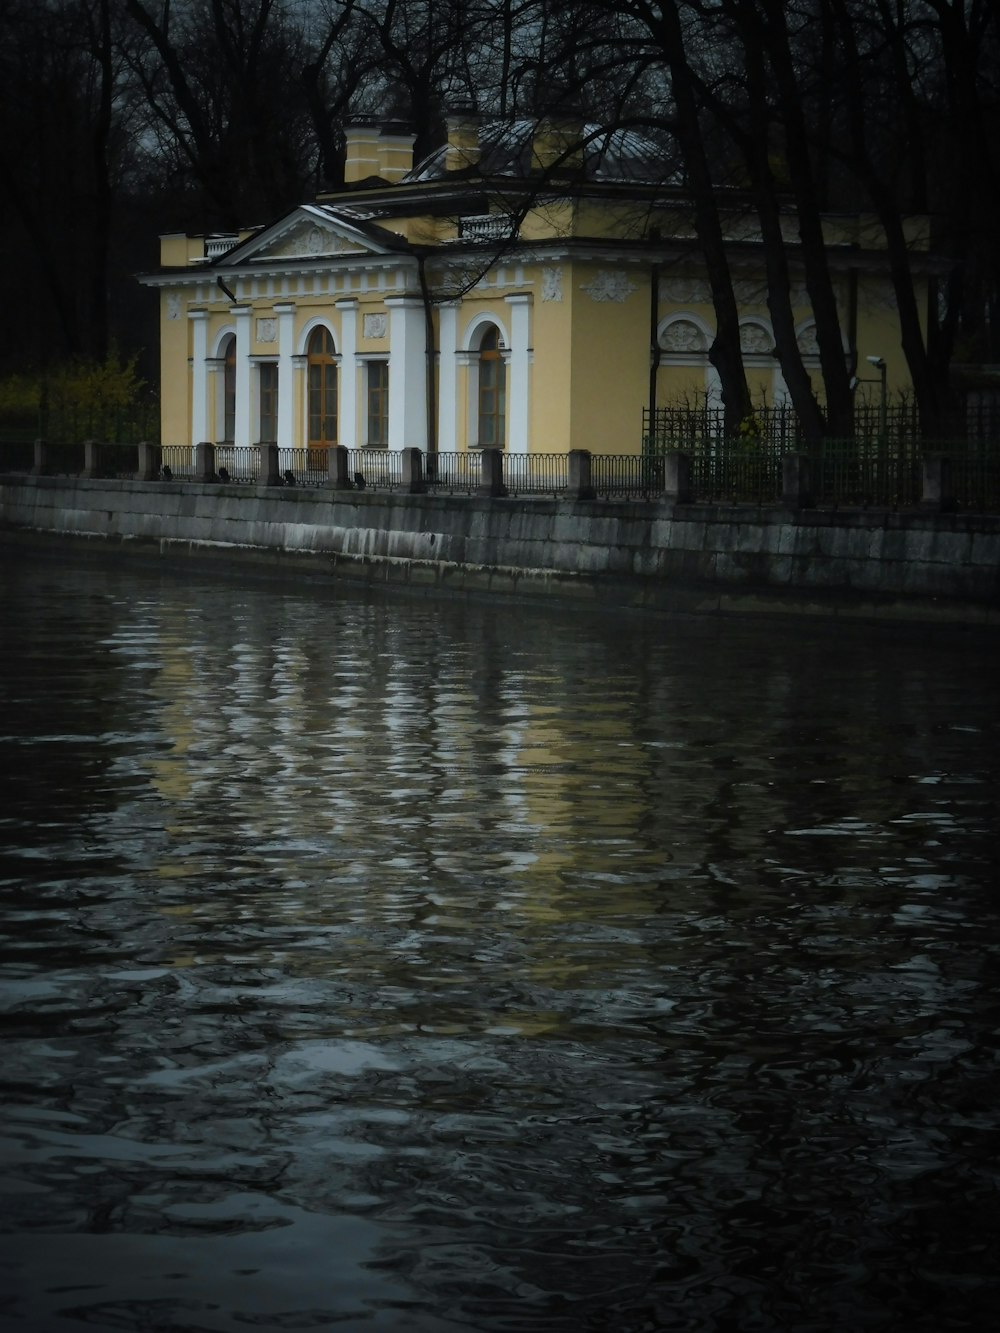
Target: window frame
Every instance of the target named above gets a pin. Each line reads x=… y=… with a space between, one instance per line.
x=377 y=403
x=325 y=363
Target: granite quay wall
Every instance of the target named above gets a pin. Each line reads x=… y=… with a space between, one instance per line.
x=656 y=555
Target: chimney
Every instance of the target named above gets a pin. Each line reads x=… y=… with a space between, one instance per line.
x=395 y=152
x=463 y=140
x=362 y=156
x=557 y=146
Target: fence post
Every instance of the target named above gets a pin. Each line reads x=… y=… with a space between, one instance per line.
x=677 y=477
x=936 y=491
x=268 y=475
x=149 y=461
x=579 y=485
x=91 y=458
x=204 y=462
x=413 y=471
x=41 y=464
x=491 y=473
x=337 y=465
x=796 y=481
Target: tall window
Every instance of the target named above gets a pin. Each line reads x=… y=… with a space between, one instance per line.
x=322 y=390
x=229 y=391
x=492 y=392
x=378 y=403
x=267 y=386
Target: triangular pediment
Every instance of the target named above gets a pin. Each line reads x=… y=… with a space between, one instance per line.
x=311 y=232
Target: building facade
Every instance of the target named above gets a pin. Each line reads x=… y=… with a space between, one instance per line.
x=514 y=290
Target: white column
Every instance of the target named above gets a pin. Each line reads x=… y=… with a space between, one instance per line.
x=713 y=386
x=286 y=376
x=199 y=375
x=241 y=431
x=407 y=374
x=779 y=389
x=347 y=397
x=518 y=380
x=447 y=441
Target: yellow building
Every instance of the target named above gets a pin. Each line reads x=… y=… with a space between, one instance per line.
x=508 y=291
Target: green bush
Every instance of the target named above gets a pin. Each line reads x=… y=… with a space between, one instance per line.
x=82 y=400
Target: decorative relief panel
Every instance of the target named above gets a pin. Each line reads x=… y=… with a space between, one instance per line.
x=806 y=341
x=686 y=290
x=173 y=307
x=750 y=291
x=376 y=325
x=306 y=241
x=683 y=335
x=267 y=330
x=755 y=340
x=609 y=285
x=552 y=284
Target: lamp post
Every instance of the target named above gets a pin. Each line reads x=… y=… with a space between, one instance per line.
x=883 y=409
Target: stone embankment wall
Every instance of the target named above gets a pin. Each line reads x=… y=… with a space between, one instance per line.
x=656 y=555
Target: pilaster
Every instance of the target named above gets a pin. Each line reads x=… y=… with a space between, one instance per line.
x=286 y=375
x=407 y=373
x=347 y=398
x=241 y=431
x=199 y=374
x=518 y=386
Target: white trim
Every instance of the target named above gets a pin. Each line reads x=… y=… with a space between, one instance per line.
x=218 y=367
x=347 y=386
x=518 y=378
x=198 y=320
x=407 y=373
x=245 y=411
x=310 y=327
x=695 y=357
x=227 y=331
x=285 y=313
x=473 y=335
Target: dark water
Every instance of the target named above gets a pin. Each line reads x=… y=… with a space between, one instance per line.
x=418 y=966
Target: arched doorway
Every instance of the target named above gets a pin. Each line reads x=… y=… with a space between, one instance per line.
x=322 y=381
x=491 y=393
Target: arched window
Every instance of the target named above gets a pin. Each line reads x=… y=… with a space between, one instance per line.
x=491 y=392
x=229 y=390
x=322 y=389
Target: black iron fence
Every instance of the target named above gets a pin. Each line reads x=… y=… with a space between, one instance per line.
x=703 y=425
x=877 y=473
x=453 y=473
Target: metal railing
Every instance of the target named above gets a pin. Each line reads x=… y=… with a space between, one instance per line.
x=309 y=467
x=237 y=462
x=703 y=425
x=626 y=476
x=179 y=458
x=452 y=473
x=844 y=473
x=378 y=469
x=535 y=474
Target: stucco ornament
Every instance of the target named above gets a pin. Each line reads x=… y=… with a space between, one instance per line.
x=683 y=335
x=173 y=307
x=749 y=291
x=267 y=330
x=755 y=339
x=686 y=290
x=807 y=342
x=609 y=285
x=552 y=284
x=376 y=326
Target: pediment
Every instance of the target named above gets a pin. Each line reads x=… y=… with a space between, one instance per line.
x=308 y=233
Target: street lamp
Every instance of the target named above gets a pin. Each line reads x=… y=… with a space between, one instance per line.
x=879 y=363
